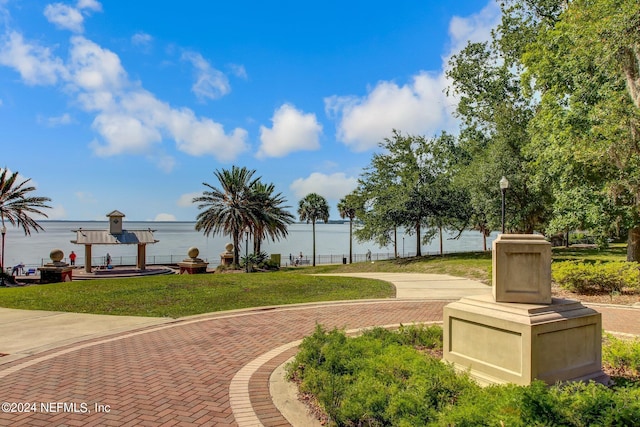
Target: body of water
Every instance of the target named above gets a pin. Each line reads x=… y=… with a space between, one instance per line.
x=175 y=238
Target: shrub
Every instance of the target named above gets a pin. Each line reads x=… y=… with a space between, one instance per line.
x=378 y=379
x=599 y=277
x=259 y=261
x=622 y=355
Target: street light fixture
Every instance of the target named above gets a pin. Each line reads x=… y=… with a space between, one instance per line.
x=4 y=231
x=504 y=185
x=246 y=249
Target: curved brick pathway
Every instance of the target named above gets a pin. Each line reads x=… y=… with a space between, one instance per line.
x=180 y=374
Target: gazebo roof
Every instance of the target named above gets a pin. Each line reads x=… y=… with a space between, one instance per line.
x=116 y=213
x=103 y=237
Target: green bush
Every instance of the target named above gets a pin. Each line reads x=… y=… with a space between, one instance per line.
x=381 y=379
x=598 y=277
x=378 y=378
x=623 y=354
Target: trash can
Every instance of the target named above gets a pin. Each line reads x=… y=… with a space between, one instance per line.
x=344 y=260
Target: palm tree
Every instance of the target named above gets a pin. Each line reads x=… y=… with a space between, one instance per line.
x=228 y=208
x=272 y=217
x=312 y=208
x=16 y=206
x=347 y=208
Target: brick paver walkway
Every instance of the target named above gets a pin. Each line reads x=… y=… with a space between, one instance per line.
x=180 y=374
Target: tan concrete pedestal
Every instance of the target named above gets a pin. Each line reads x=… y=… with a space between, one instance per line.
x=193 y=264
x=518 y=343
x=226 y=257
x=519 y=333
x=56 y=271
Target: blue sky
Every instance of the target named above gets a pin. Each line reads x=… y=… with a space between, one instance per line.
x=132 y=105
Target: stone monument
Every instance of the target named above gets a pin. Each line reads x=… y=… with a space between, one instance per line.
x=226 y=257
x=56 y=271
x=193 y=264
x=520 y=333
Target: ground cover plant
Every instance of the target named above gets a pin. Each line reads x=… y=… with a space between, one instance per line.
x=183 y=295
x=387 y=378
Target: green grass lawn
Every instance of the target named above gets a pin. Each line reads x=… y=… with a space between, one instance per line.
x=615 y=252
x=473 y=265
x=183 y=295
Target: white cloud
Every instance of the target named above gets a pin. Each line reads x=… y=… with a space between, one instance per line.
x=56 y=212
x=89 y=5
x=417 y=107
x=292 y=131
x=186 y=200
x=85 y=197
x=65 y=17
x=164 y=217
x=238 y=71
x=94 y=69
x=210 y=83
x=124 y=134
x=163 y=161
x=64 y=119
x=474 y=28
x=36 y=64
x=141 y=39
x=334 y=186
x=128 y=119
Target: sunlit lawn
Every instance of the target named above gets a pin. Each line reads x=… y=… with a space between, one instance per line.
x=615 y=252
x=473 y=265
x=183 y=295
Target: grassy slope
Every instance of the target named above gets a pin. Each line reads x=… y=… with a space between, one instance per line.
x=475 y=265
x=176 y=296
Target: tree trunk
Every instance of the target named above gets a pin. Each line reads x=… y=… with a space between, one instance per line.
x=350 y=240
x=236 y=250
x=631 y=68
x=484 y=241
x=441 y=251
x=633 y=244
x=418 y=248
x=313 y=225
x=395 y=241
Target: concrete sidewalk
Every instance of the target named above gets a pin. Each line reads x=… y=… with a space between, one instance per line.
x=27 y=332
x=427 y=286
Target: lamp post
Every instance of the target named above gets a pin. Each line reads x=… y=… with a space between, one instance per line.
x=402 y=246
x=246 y=249
x=504 y=184
x=4 y=231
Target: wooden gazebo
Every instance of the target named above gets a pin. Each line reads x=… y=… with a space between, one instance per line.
x=115 y=235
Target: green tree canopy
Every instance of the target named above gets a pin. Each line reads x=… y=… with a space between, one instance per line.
x=242 y=202
x=409 y=185
x=16 y=204
x=584 y=67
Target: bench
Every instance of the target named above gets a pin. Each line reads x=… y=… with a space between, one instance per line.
x=304 y=262
x=31 y=271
